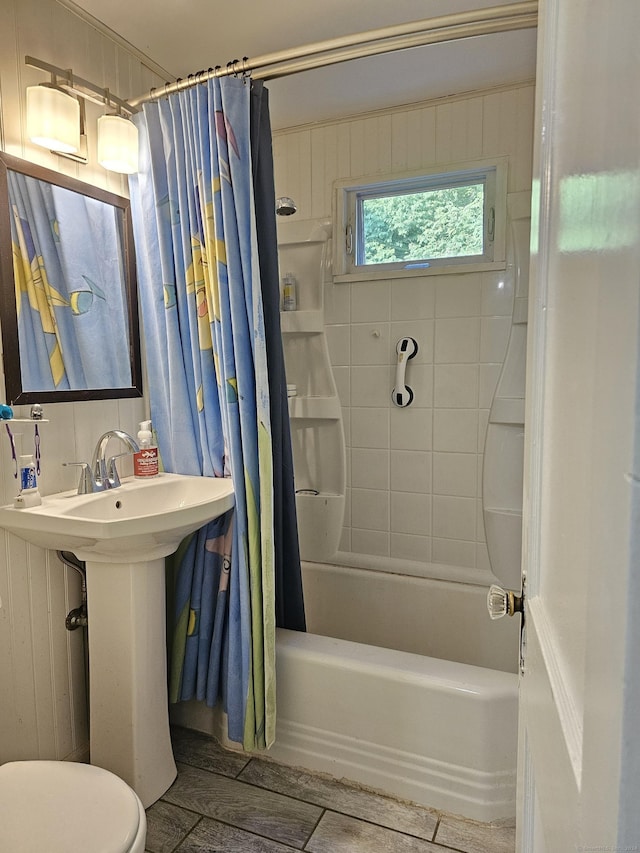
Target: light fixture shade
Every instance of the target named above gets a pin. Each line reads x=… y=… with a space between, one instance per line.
x=53 y=119
x=118 y=144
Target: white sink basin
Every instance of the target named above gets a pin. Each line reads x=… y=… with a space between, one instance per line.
x=140 y=520
x=123 y=536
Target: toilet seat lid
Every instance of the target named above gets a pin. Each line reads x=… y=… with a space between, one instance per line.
x=60 y=806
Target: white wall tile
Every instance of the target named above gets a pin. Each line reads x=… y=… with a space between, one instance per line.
x=369 y=509
x=410 y=513
x=337 y=303
x=374 y=542
x=369 y=469
x=455 y=386
x=405 y=546
x=370 y=428
x=454 y=518
x=411 y=429
x=494 y=336
x=413 y=298
x=370 y=343
x=455 y=474
x=371 y=385
x=457 y=340
x=370 y=301
x=410 y=471
x=458 y=295
x=455 y=430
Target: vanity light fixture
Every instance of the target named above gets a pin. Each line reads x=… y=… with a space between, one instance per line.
x=117 y=144
x=53 y=118
x=56 y=119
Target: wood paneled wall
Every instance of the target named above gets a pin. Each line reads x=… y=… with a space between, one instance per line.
x=43 y=710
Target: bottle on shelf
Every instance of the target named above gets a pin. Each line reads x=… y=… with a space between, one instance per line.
x=289 y=292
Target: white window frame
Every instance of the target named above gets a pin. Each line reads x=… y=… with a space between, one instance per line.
x=349 y=191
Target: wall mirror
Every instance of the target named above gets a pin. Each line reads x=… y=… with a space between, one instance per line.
x=68 y=298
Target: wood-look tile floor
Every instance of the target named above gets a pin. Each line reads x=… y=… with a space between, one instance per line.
x=226 y=801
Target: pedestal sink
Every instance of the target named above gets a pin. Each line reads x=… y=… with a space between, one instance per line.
x=123 y=536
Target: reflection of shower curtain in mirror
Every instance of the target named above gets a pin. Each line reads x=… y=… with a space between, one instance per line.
x=200 y=292
x=70 y=297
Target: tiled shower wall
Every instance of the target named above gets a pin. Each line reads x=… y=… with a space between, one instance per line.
x=43 y=710
x=414 y=475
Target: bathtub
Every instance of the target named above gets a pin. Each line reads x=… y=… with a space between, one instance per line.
x=402 y=684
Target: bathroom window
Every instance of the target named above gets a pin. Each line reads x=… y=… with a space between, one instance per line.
x=421 y=223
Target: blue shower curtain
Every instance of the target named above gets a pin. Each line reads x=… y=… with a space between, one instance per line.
x=200 y=289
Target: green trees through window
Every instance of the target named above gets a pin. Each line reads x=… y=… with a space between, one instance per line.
x=435 y=223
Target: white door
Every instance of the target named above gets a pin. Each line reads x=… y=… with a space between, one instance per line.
x=579 y=758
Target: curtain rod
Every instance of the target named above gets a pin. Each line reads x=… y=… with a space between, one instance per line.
x=270 y=66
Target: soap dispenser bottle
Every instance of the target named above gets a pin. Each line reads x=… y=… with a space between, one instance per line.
x=145 y=461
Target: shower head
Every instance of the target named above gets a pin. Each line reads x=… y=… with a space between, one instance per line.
x=285 y=206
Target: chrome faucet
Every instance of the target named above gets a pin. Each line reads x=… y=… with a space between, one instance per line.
x=102 y=474
x=105 y=473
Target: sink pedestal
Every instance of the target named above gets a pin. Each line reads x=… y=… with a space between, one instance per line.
x=128 y=708
x=123 y=536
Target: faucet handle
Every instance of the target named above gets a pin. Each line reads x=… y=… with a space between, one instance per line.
x=112 y=471
x=87 y=483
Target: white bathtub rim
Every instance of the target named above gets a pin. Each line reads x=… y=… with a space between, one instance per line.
x=411 y=568
x=398 y=666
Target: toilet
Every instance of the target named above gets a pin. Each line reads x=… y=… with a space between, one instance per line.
x=59 y=806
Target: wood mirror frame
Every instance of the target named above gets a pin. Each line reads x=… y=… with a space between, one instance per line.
x=15 y=392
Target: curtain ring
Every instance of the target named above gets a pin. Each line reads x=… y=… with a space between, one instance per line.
x=246 y=72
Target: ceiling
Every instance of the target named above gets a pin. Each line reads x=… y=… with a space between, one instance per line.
x=184 y=36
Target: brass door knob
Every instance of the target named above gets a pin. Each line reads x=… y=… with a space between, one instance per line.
x=503 y=602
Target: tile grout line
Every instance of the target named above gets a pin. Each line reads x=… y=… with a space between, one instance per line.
x=436 y=828
x=187 y=834
x=312 y=833
x=323 y=809
x=298 y=799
